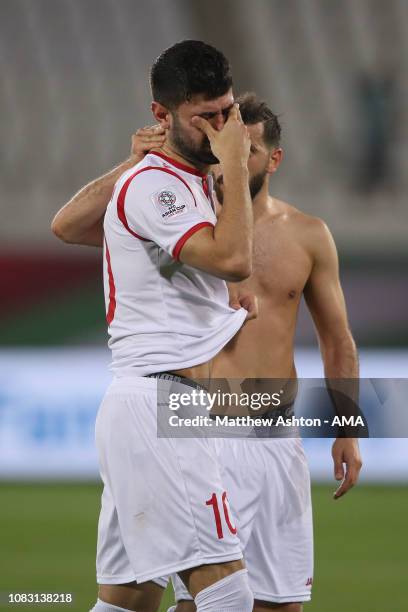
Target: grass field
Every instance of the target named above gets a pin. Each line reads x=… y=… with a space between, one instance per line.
x=48 y=532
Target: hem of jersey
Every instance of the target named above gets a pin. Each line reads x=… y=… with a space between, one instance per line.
x=280 y=599
x=193 y=562
x=119 y=383
x=140 y=373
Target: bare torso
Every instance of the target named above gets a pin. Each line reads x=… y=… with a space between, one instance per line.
x=264 y=347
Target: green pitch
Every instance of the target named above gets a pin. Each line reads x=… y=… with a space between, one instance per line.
x=48 y=534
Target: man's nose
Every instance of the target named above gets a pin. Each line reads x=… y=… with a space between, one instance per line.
x=218 y=122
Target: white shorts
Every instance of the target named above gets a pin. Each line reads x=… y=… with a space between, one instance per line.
x=269 y=489
x=157 y=515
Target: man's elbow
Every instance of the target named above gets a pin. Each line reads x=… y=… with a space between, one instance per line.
x=238 y=269
x=337 y=345
x=60 y=231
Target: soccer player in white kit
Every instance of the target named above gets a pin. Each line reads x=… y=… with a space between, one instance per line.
x=166 y=259
x=268 y=481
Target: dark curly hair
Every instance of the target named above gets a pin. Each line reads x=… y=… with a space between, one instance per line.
x=253 y=110
x=188 y=68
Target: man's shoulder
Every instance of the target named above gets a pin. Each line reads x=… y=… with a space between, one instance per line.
x=301 y=220
x=311 y=224
x=310 y=231
x=149 y=177
x=148 y=171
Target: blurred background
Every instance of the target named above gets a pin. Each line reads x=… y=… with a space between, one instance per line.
x=74 y=86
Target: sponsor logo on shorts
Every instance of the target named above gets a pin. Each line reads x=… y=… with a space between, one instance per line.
x=309 y=582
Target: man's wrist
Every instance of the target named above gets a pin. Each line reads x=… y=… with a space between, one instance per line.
x=132 y=160
x=235 y=175
x=234 y=164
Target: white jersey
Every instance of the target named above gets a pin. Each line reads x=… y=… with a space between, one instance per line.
x=162 y=314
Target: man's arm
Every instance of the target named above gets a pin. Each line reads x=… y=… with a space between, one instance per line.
x=80 y=221
x=226 y=249
x=325 y=300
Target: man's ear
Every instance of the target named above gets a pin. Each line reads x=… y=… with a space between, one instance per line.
x=275 y=159
x=161 y=114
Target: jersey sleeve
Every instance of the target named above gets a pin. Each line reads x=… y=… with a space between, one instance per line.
x=157 y=206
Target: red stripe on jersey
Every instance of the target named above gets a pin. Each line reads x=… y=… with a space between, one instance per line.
x=125 y=187
x=121 y=205
x=205 y=186
x=112 y=289
x=181 y=242
x=178 y=164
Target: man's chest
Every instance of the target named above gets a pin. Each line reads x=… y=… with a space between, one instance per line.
x=281 y=265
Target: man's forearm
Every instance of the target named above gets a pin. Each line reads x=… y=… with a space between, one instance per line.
x=80 y=221
x=341 y=370
x=234 y=229
x=340 y=358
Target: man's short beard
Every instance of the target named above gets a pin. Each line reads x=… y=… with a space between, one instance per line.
x=197 y=155
x=255 y=186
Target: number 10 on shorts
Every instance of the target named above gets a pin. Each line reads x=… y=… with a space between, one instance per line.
x=213 y=501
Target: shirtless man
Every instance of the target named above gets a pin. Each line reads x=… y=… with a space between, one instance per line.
x=268 y=480
x=274 y=514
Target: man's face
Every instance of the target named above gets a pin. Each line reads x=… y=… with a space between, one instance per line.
x=191 y=142
x=258 y=163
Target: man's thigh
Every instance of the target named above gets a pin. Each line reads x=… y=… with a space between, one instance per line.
x=144 y=597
